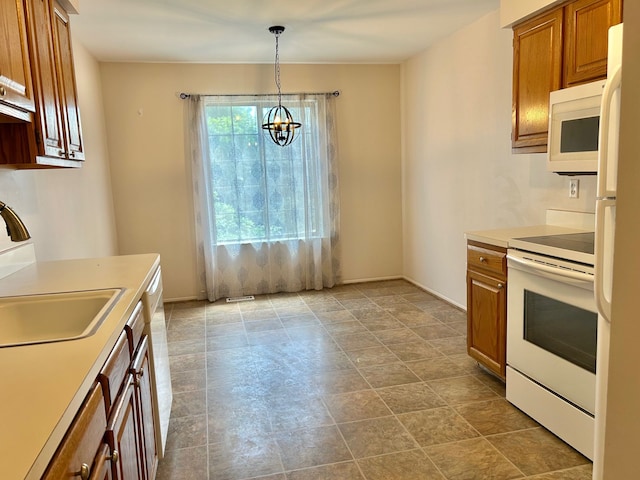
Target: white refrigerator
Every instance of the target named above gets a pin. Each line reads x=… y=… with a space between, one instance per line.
x=605 y=232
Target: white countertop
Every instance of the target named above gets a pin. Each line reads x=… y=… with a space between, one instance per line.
x=42 y=386
x=501 y=237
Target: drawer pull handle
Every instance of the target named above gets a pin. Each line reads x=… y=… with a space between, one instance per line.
x=84 y=472
x=3 y=91
x=500 y=286
x=61 y=153
x=483 y=260
x=115 y=456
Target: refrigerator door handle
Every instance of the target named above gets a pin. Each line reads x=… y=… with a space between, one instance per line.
x=606 y=197
x=612 y=84
x=603 y=303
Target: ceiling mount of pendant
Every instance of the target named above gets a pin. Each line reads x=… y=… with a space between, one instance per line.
x=276 y=29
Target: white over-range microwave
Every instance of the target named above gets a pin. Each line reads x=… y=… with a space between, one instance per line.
x=574 y=121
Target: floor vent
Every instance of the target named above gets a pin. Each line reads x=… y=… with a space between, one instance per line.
x=244 y=298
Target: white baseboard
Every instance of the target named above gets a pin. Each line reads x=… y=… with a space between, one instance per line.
x=436 y=294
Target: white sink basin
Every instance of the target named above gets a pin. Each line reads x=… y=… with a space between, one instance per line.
x=53 y=317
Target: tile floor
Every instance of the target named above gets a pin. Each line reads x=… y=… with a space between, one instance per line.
x=368 y=381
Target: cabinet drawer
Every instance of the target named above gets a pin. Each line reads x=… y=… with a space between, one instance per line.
x=135 y=328
x=481 y=257
x=79 y=447
x=115 y=370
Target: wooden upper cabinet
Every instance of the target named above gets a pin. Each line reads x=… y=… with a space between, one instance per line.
x=15 y=70
x=585 y=51
x=48 y=123
x=537 y=61
x=559 y=48
x=50 y=137
x=67 y=84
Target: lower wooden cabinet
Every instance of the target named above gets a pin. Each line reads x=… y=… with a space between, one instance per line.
x=76 y=454
x=113 y=434
x=487 y=306
x=145 y=408
x=123 y=435
x=131 y=428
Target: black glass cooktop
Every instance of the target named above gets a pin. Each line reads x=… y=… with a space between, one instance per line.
x=577 y=242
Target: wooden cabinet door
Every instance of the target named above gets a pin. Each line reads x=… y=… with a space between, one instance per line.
x=77 y=451
x=49 y=119
x=537 y=70
x=587 y=25
x=74 y=148
x=123 y=435
x=15 y=70
x=486 y=323
x=141 y=371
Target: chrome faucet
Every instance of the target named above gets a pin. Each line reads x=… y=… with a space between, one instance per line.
x=15 y=228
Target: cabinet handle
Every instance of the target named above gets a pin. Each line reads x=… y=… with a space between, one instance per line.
x=114 y=457
x=61 y=153
x=84 y=472
x=138 y=375
x=72 y=154
x=500 y=286
x=483 y=260
x=3 y=91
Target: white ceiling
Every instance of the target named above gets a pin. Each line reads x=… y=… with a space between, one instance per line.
x=236 y=31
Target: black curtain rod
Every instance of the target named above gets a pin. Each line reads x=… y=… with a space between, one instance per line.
x=183 y=96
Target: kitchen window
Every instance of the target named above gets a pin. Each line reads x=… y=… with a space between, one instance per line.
x=262 y=191
x=266 y=216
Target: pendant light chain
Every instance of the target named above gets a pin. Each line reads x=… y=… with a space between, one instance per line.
x=277 y=70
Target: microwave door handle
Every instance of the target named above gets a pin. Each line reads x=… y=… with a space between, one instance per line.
x=612 y=84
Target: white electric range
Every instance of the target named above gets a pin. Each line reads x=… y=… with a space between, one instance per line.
x=552 y=325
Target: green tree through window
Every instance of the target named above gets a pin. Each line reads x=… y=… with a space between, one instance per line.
x=263 y=192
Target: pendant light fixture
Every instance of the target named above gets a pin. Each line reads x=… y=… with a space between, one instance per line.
x=279 y=121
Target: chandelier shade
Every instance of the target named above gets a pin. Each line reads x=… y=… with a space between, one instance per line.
x=278 y=121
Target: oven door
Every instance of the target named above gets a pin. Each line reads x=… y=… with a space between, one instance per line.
x=552 y=326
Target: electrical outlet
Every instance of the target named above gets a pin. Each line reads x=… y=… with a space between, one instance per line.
x=574 y=185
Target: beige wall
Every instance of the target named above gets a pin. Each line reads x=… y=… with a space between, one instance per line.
x=513 y=11
x=69 y=212
x=151 y=179
x=458 y=170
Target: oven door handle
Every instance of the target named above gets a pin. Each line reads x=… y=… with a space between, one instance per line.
x=576 y=278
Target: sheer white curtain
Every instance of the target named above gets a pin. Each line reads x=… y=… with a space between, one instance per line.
x=267 y=217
